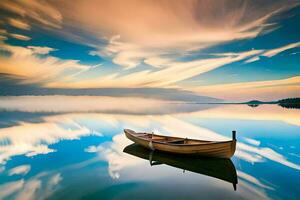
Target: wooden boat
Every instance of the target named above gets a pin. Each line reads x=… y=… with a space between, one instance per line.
x=220 y=168
x=186 y=146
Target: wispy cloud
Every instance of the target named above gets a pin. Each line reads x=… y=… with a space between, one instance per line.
x=39 y=187
x=26 y=63
x=276 y=51
x=169 y=75
x=19 y=24
x=168 y=27
x=19 y=170
x=253 y=180
x=41 y=50
x=273 y=52
x=2 y=37
x=264 y=90
x=161 y=28
x=19 y=36
x=40 y=12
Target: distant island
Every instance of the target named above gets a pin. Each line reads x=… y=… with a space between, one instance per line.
x=286 y=103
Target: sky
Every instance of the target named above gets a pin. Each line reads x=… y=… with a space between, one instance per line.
x=226 y=49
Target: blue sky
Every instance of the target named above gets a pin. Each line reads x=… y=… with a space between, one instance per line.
x=232 y=50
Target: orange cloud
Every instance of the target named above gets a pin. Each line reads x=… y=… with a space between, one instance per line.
x=19 y=36
x=26 y=63
x=19 y=24
x=263 y=90
x=138 y=30
x=40 y=12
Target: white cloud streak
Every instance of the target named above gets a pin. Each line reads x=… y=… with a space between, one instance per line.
x=35 y=143
x=273 y=52
x=173 y=72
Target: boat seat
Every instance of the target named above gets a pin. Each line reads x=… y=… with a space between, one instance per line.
x=143 y=135
x=178 y=141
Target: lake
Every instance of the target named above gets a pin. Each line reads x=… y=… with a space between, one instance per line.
x=59 y=147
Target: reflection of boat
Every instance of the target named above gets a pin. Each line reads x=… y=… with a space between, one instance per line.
x=178 y=145
x=221 y=168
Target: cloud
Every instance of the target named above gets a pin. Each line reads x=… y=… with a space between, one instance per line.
x=19 y=24
x=252 y=191
x=3 y=37
x=252 y=141
x=253 y=180
x=172 y=73
x=10 y=188
x=17 y=143
x=51 y=187
x=41 y=50
x=161 y=28
x=6 y=34
x=114 y=155
x=41 y=12
x=253 y=59
x=273 y=52
x=171 y=23
x=26 y=63
x=165 y=28
x=263 y=90
x=91 y=149
x=19 y=36
x=265 y=152
x=3 y=31
x=29 y=190
x=20 y=170
x=39 y=187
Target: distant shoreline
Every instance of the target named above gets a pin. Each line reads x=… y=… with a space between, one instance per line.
x=286 y=103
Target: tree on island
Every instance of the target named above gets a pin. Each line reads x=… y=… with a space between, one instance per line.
x=289 y=103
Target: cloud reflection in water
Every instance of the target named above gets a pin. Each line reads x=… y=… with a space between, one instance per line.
x=31 y=138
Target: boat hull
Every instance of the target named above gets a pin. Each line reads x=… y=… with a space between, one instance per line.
x=221 y=168
x=204 y=148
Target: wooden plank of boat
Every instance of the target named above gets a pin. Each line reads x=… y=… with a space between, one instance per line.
x=224 y=149
x=221 y=168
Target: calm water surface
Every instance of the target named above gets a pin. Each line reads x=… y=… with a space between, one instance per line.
x=57 y=151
